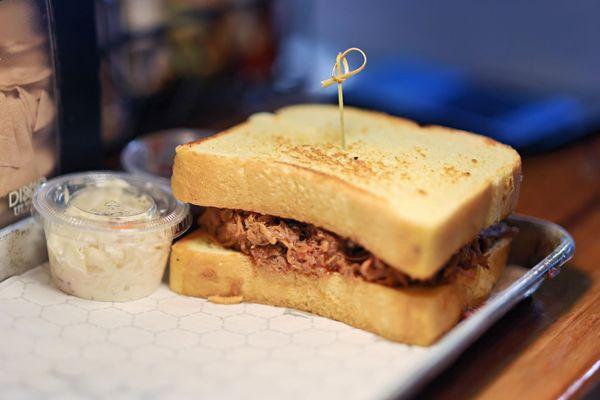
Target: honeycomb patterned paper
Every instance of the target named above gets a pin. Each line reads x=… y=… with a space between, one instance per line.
x=55 y=346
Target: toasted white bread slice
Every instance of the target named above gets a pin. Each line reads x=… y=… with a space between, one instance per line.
x=417 y=315
x=411 y=195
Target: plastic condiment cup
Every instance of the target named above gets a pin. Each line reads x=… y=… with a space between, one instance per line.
x=108 y=234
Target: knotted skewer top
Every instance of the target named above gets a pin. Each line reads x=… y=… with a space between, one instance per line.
x=340 y=72
x=341 y=64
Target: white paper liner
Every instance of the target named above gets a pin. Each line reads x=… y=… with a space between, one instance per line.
x=169 y=346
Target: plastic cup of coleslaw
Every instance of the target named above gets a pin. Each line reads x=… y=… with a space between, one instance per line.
x=108 y=234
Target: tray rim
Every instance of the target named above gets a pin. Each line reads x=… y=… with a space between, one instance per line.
x=463 y=335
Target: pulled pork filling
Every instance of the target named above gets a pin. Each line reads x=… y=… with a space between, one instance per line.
x=284 y=244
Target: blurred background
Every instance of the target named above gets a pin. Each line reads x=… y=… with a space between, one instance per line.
x=525 y=73
x=109 y=71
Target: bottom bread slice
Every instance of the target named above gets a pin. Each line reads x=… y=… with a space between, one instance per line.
x=415 y=315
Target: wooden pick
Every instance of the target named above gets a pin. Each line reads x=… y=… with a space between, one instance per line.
x=339 y=73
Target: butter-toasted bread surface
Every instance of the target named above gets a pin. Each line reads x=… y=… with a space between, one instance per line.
x=411 y=195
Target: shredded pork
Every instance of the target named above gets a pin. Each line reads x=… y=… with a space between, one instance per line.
x=284 y=244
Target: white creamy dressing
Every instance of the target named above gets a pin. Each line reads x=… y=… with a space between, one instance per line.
x=113 y=264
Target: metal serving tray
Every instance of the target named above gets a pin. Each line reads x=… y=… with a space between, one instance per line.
x=541 y=247
x=55 y=345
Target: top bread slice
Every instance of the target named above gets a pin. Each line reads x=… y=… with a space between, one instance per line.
x=411 y=195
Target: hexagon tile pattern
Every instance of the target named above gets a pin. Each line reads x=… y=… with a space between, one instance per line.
x=169 y=346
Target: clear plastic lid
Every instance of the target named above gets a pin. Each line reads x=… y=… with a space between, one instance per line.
x=111 y=201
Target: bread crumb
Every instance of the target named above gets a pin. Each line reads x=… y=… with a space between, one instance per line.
x=422 y=192
x=421 y=151
x=453 y=173
x=225 y=299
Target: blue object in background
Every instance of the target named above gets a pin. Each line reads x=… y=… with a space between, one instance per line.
x=443 y=96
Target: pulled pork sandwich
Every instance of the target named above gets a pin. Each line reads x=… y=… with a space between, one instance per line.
x=397 y=234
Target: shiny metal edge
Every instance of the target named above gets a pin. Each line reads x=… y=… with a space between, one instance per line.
x=22 y=247
x=468 y=330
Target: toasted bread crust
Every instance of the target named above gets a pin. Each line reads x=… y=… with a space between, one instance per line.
x=315 y=192
x=201 y=268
